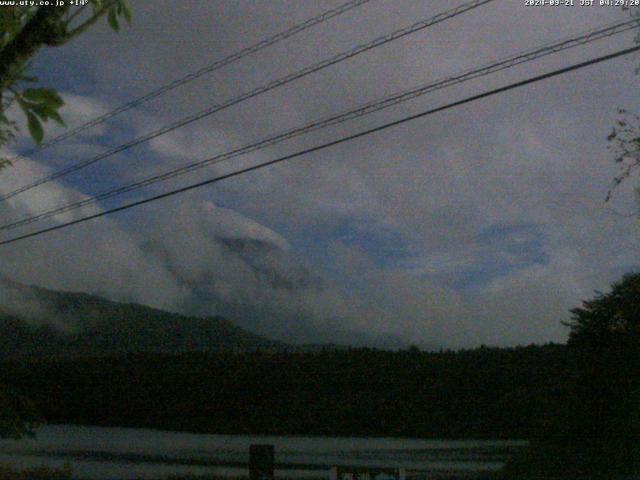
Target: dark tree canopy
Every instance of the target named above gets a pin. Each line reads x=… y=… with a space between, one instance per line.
x=609 y=319
x=594 y=427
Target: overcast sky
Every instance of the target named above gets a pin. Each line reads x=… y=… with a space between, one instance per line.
x=483 y=224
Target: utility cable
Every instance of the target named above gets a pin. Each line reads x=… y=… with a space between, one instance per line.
x=423 y=24
x=324 y=146
x=267 y=42
x=509 y=62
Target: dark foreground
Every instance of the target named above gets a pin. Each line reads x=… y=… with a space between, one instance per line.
x=482 y=393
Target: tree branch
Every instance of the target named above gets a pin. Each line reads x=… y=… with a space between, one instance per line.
x=41 y=29
x=83 y=26
x=76 y=13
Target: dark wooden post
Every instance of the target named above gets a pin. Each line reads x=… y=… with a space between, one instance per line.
x=261 y=461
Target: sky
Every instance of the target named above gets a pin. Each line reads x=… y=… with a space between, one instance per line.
x=482 y=224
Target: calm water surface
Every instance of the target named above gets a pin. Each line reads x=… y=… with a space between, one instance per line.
x=123 y=453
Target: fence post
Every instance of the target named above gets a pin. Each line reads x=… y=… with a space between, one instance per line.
x=261 y=462
x=333 y=473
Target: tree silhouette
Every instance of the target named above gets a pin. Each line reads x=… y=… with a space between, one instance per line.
x=610 y=320
x=594 y=430
x=605 y=340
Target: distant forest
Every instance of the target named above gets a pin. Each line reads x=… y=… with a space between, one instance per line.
x=481 y=393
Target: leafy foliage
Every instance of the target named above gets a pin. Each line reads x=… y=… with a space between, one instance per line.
x=42 y=104
x=114 y=9
x=39 y=105
x=624 y=142
x=12 y=20
x=609 y=320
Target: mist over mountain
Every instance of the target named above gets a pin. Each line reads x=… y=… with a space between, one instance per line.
x=36 y=321
x=271 y=292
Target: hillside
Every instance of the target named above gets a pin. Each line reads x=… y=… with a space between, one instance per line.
x=40 y=322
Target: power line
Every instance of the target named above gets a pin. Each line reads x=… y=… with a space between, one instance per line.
x=234 y=57
x=509 y=62
x=421 y=25
x=323 y=146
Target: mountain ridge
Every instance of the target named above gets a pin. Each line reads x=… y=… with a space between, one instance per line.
x=36 y=321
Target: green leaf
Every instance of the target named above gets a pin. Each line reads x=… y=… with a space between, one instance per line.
x=24 y=106
x=45 y=112
x=4 y=162
x=40 y=110
x=126 y=11
x=43 y=95
x=35 y=127
x=97 y=5
x=56 y=117
x=113 y=19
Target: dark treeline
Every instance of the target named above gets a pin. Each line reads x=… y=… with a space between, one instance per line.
x=486 y=392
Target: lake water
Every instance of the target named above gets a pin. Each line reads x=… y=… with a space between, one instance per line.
x=122 y=453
